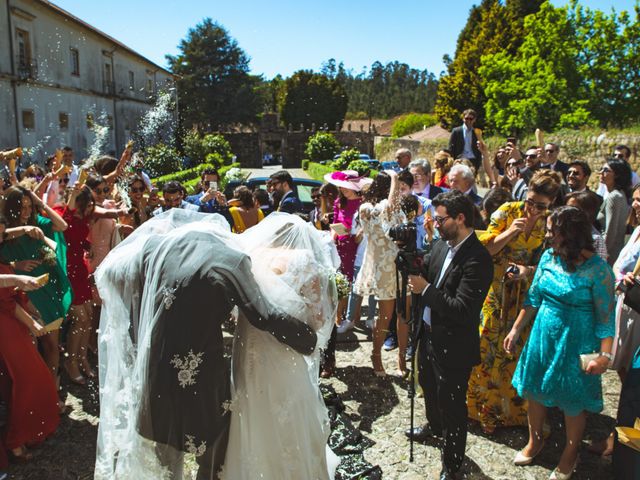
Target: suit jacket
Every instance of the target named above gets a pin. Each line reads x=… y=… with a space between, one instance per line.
x=456 y=303
x=290 y=203
x=562 y=168
x=434 y=191
x=456 y=145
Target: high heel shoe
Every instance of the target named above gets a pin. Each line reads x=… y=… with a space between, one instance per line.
x=77 y=379
x=558 y=475
x=85 y=367
x=521 y=459
x=378 y=369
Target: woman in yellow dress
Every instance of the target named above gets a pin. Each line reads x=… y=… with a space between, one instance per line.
x=243 y=210
x=514 y=238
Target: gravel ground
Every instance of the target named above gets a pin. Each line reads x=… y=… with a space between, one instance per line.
x=378 y=406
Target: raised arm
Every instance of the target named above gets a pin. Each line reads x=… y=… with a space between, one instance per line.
x=122 y=163
x=58 y=223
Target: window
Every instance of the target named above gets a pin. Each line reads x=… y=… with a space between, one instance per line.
x=132 y=81
x=24 y=47
x=89 y=120
x=28 y=120
x=63 y=121
x=109 y=86
x=149 y=85
x=75 y=61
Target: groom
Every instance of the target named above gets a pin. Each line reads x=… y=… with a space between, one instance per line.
x=186 y=395
x=457 y=276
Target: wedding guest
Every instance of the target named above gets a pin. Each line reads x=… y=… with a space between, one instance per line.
x=34 y=245
x=615 y=175
x=494 y=199
x=315 y=215
x=626 y=460
x=349 y=184
x=142 y=212
x=209 y=198
x=589 y=202
x=453 y=285
x=514 y=239
x=173 y=197
x=243 y=210
x=262 y=201
x=421 y=171
x=282 y=185
x=578 y=176
x=379 y=211
x=571 y=300
x=26 y=384
x=443 y=163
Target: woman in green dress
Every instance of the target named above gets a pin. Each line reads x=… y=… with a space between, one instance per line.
x=34 y=246
x=514 y=239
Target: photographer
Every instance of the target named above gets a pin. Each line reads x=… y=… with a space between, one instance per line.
x=209 y=199
x=457 y=275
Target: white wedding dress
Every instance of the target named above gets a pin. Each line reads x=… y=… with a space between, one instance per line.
x=279 y=422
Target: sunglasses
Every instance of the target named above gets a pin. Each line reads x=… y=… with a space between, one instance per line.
x=315 y=196
x=514 y=164
x=550 y=151
x=537 y=205
x=104 y=190
x=533 y=155
x=136 y=190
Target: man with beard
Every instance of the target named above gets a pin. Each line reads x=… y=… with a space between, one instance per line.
x=578 y=175
x=454 y=283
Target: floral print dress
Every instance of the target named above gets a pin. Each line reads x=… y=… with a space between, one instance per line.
x=491 y=399
x=377 y=276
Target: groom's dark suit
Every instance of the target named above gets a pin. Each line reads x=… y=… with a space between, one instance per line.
x=450 y=346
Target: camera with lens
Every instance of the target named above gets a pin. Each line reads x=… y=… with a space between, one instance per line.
x=405 y=235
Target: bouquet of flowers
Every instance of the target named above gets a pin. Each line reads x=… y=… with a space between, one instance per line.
x=236 y=174
x=342 y=285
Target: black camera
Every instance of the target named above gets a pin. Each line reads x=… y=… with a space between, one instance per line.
x=406 y=234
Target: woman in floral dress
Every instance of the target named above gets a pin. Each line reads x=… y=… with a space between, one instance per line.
x=514 y=237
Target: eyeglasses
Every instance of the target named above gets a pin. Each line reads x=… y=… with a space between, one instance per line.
x=314 y=197
x=440 y=220
x=469 y=118
x=537 y=205
x=136 y=190
x=573 y=173
x=104 y=190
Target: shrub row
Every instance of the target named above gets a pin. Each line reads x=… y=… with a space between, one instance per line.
x=190 y=178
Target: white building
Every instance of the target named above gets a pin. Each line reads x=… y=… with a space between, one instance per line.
x=58 y=74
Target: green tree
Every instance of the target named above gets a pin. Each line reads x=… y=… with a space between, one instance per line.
x=321 y=146
x=491 y=28
x=161 y=159
x=213 y=79
x=346 y=158
x=307 y=98
x=539 y=84
x=217 y=144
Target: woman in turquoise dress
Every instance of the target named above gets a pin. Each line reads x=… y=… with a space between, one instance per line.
x=572 y=301
x=34 y=246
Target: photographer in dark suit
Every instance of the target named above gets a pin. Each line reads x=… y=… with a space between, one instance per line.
x=454 y=283
x=463 y=142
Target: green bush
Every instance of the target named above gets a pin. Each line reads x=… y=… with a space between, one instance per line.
x=193 y=148
x=216 y=159
x=318 y=171
x=305 y=164
x=217 y=144
x=361 y=167
x=321 y=146
x=346 y=157
x=412 y=122
x=161 y=159
x=191 y=178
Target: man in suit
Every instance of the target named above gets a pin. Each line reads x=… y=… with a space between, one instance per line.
x=551 y=151
x=578 y=176
x=463 y=142
x=282 y=184
x=421 y=171
x=453 y=286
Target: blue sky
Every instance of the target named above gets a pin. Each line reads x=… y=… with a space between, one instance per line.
x=283 y=36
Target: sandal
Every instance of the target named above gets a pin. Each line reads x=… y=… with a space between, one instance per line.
x=77 y=379
x=378 y=368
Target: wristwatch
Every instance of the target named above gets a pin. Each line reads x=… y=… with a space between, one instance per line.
x=607 y=355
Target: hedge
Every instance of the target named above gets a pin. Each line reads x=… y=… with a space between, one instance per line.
x=318 y=171
x=190 y=177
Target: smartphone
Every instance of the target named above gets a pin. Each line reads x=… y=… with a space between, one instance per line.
x=512 y=140
x=213 y=186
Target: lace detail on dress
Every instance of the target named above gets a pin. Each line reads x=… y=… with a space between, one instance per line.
x=168 y=296
x=187 y=367
x=190 y=445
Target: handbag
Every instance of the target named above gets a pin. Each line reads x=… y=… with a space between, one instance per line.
x=632 y=293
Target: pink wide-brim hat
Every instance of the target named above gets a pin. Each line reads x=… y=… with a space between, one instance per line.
x=347 y=179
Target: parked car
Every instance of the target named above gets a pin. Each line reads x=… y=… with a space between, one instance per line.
x=302 y=186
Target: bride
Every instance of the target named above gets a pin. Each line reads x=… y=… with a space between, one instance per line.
x=279 y=423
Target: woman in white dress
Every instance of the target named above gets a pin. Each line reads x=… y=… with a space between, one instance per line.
x=279 y=422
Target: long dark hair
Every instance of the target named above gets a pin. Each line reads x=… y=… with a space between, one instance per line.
x=12 y=206
x=572 y=226
x=379 y=189
x=621 y=175
x=84 y=198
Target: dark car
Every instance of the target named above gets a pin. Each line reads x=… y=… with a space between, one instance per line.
x=302 y=188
